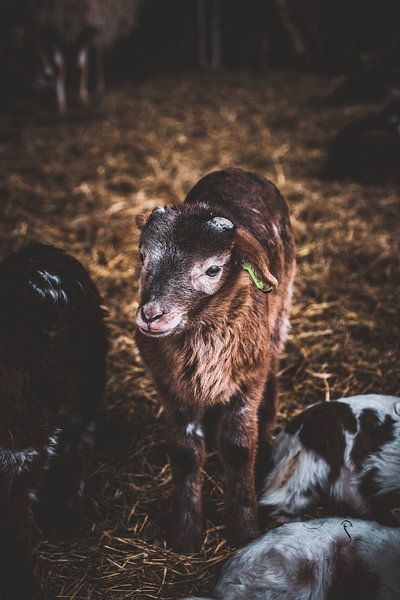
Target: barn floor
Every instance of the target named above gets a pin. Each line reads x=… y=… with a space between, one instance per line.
x=79 y=181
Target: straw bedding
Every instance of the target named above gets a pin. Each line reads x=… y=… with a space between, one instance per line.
x=78 y=183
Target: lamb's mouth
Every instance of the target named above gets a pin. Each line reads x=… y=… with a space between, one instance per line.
x=156 y=334
x=160 y=327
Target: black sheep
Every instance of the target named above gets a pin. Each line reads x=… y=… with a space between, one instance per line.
x=53 y=345
x=367 y=150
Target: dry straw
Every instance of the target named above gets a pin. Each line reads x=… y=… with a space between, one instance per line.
x=79 y=182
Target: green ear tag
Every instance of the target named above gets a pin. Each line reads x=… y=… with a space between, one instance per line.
x=260 y=285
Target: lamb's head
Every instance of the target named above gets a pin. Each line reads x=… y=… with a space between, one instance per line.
x=188 y=254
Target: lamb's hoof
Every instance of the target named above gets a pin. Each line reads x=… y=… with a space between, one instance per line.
x=242 y=535
x=188 y=542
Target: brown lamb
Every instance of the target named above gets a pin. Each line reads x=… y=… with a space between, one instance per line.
x=211 y=338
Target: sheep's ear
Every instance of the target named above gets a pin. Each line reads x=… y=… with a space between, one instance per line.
x=141 y=220
x=252 y=256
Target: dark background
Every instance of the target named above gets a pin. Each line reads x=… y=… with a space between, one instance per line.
x=340 y=36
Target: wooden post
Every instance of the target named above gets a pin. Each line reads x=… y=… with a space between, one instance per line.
x=202 y=34
x=216 y=50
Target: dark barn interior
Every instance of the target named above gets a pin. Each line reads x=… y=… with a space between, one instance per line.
x=304 y=92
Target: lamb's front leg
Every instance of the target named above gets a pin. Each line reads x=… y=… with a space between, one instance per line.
x=186 y=451
x=238 y=446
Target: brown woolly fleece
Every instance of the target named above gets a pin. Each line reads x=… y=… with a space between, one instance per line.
x=221 y=359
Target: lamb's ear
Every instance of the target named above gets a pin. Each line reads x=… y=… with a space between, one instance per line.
x=252 y=257
x=141 y=220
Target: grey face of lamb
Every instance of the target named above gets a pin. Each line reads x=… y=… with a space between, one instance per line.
x=185 y=258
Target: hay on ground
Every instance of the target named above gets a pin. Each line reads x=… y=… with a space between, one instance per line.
x=78 y=183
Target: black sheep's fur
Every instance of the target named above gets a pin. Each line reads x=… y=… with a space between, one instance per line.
x=53 y=345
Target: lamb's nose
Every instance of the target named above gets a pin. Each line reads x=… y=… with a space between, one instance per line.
x=151 y=312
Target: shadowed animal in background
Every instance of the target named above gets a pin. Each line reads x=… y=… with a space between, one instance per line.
x=52 y=376
x=367 y=150
x=345 y=453
x=375 y=78
x=73 y=28
x=370 y=82
x=324 y=559
x=211 y=338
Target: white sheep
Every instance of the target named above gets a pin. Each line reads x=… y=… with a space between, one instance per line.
x=324 y=559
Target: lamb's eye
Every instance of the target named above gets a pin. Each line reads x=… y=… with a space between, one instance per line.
x=141 y=256
x=213 y=271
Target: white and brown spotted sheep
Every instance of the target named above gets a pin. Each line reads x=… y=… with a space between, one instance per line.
x=345 y=454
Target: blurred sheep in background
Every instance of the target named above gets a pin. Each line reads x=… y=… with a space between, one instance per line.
x=68 y=30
